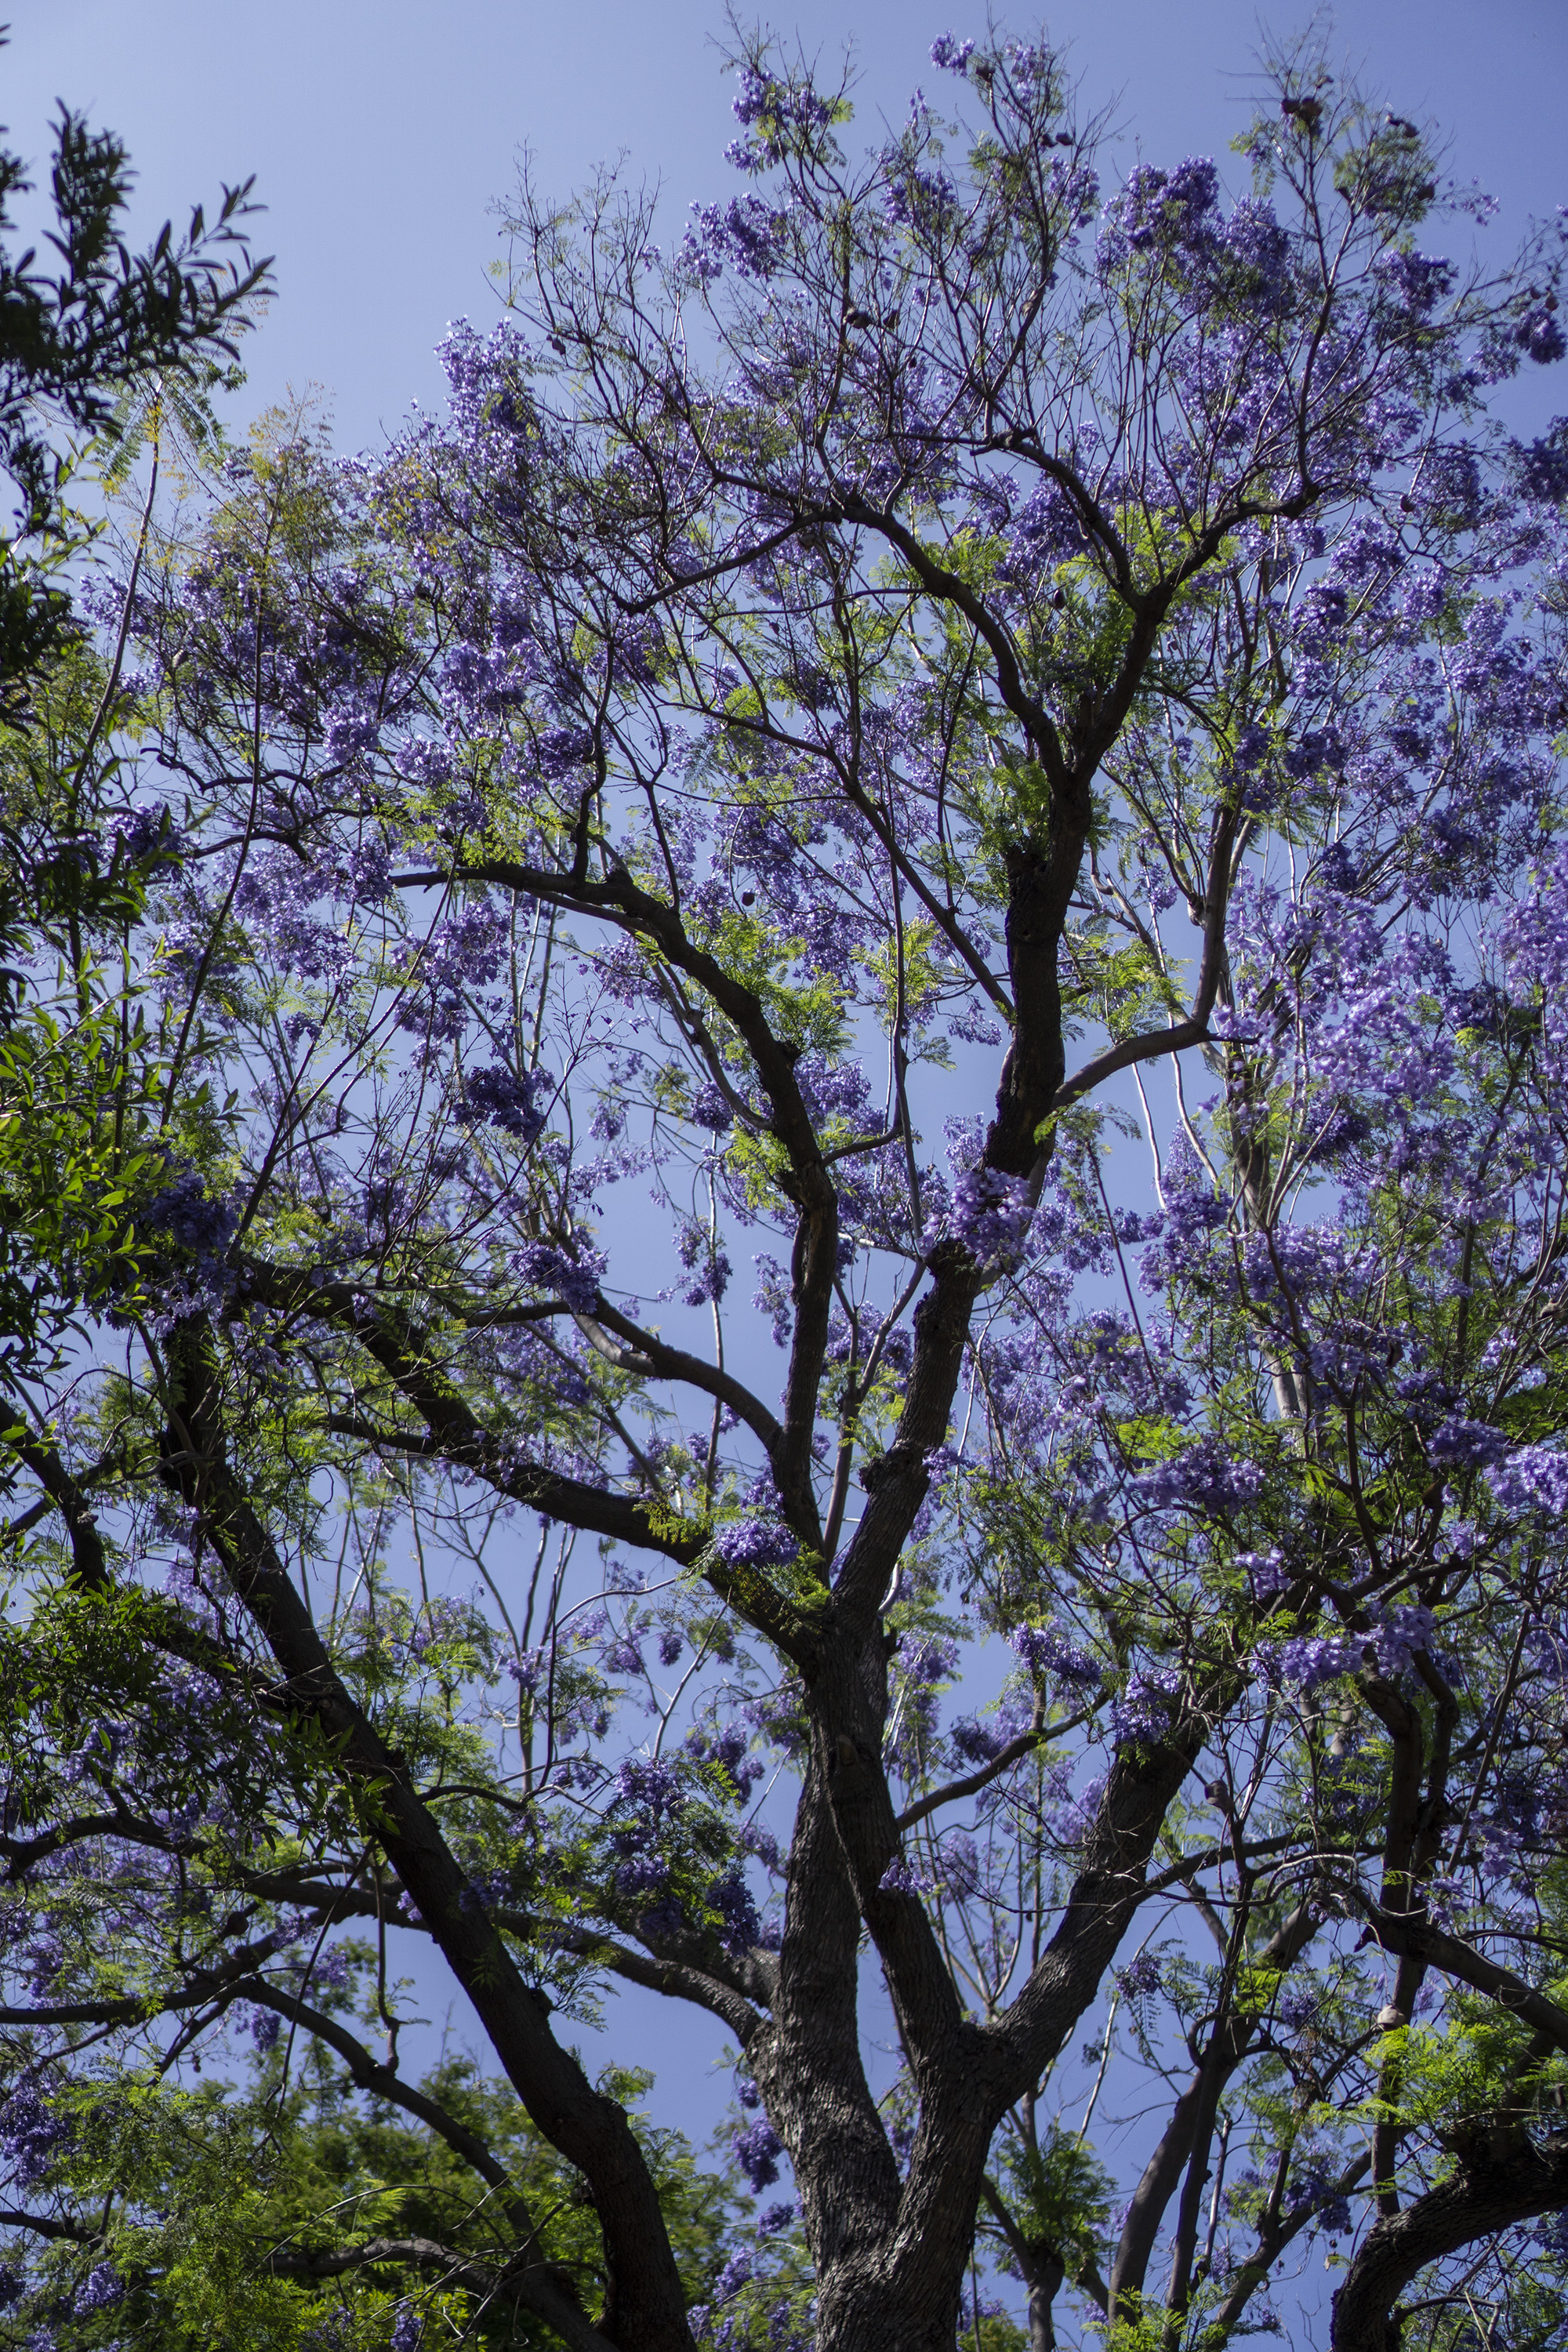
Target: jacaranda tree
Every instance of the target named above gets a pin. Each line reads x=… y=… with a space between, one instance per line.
x=829 y=1274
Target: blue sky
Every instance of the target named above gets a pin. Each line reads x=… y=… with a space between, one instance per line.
x=380 y=133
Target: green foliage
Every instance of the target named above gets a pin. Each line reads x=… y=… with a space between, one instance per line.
x=240 y=2207
x=1060 y=2196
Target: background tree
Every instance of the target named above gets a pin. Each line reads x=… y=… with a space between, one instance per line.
x=100 y=349
x=815 y=678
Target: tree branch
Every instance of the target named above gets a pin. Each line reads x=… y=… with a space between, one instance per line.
x=1478 y=2199
x=972 y=1783
x=460 y=1438
x=588 y=2127
x=533 y=2287
x=1401 y=1934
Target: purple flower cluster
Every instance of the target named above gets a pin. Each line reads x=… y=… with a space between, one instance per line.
x=976 y=1742
x=1314 y=2188
x=1535 y=1478
x=781 y=118
x=740 y=1922
x=148 y=835
x=1384 y=1649
x=758 y=1542
x=707 y=1264
x=990 y=1215
x=1269 y=1571
x=571 y=1276
x=407 y=2328
x=1203 y=1477
x=748 y=235
x=649 y=1799
x=30 y=2133
x=1143 y=1714
x=1457 y=1444
x=191 y=1217
x=1050 y=1657
x=727 y=1749
x=461 y=955
x=101 y=2287
x=756 y=2145
x=500 y=1096
x=1140 y=1979
x=285 y=907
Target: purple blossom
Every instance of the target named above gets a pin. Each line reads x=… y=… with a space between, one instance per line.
x=30 y=2133
x=990 y=1216
x=283 y=905
x=748 y=235
x=148 y=834
x=976 y=1742
x=1461 y=1445
x=1204 y=1477
x=461 y=955
x=1047 y=530
x=1540 y=336
x=1050 y=1657
x=624 y=1656
x=571 y=1276
x=922 y=1663
x=757 y=2151
x=959 y=1873
x=780 y=117
x=1140 y=1979
x=650 y=1785
x=760 y=1542
x=1385 y=1649
x=1533 y=1478
x=101 y=2287
x=773 y=1296
x=1314 y=2188
x=1142 y=1713
x=740 y=1922
x=710 y=1109
x=1543 y=467
x=1269 y=1571
x=727 y=1748
x=500 y=1098
x=705 y=1262
x=191 y=1217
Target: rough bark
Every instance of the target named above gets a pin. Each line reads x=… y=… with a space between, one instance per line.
x=1485 y=2194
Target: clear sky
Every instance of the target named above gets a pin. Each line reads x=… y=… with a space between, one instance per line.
x=380 y=131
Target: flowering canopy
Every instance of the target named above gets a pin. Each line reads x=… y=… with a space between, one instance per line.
x=945 y=636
